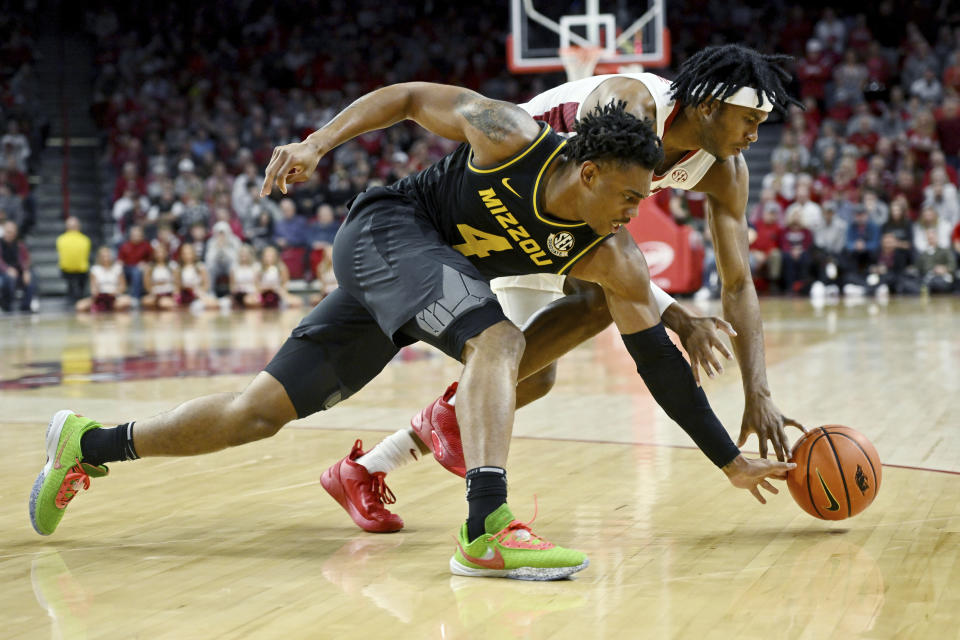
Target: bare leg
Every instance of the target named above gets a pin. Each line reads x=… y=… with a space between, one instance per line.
x=216 y=421
x=486 y=398
x=553 y=331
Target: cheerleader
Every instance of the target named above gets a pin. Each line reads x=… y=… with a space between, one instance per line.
x=192 y=281
x=158 y=281
x=107 y=285
x=273 y=282
x=245 y=279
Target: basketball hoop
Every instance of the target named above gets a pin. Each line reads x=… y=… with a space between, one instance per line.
x=580 y=62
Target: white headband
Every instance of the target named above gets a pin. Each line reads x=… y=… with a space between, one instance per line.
x=750 y=97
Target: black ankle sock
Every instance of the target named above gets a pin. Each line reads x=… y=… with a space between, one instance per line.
x=486 y=491
x=108 y=445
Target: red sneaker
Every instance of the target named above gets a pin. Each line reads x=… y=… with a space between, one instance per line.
x=362 y=494
x=437 y=426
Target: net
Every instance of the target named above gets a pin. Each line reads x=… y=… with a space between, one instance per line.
x=580 y=62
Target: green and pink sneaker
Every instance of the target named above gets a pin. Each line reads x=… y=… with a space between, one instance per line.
x=64 y=475
x=513 y=551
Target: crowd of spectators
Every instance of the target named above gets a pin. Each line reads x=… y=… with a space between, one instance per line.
x=21 y=133
x=192 y=100
x=189 y=128
x=863 y=192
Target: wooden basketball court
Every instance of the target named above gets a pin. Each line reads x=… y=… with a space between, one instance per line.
x=246 y=544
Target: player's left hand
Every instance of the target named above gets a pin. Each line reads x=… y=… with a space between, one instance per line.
x=762 y=417
x=290 y=163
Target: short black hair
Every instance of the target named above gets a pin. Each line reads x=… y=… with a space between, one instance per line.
x=716 y=73
x=608 y=132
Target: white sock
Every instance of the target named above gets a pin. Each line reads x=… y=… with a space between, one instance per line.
x=391 y=453
x=453 y=399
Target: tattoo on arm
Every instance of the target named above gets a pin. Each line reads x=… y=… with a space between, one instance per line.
x=486 y=118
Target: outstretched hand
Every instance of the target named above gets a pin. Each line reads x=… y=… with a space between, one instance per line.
x=762 y=417
x=700 y=337
x=751 y=474
x=290 y=163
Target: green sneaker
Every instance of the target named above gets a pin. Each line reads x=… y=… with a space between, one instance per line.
x=64 y=475
x=513 y=551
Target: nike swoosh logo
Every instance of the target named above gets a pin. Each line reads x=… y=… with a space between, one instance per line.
x=489 y=560
x=834 y=505
x=56 y=461
x=505 y=182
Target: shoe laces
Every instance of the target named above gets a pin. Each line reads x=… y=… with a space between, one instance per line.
x=518 y=535
x=74 y=482
x=380 y=488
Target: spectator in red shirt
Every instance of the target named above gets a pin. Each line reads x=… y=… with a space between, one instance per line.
x=864 y=137
x=813 y=72
x=765 y=257
x=951 y=75
x=134 y=254
x=15 y=178
x=795 y=245
x=878 y=68
x=795 y=32
x=922 y=137
x=860 y=38
x=948 y=129
x=805 y=134
x=906 y=185
x=128 y=180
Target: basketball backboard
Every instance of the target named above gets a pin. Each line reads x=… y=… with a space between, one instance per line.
x=630 y=32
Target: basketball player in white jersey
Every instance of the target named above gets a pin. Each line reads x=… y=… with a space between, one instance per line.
x=705 y=118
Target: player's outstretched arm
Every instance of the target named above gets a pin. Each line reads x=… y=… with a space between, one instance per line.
x=727 y=203
x=496 y=130
x=619 y=268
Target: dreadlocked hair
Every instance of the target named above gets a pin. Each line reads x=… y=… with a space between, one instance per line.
x=716 y=73
x=608 y=132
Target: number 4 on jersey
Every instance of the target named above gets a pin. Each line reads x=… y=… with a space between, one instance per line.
x=480 y=243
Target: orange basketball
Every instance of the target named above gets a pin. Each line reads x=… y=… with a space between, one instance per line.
x=838 y=472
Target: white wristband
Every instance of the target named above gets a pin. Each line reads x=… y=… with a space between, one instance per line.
x=663 y=298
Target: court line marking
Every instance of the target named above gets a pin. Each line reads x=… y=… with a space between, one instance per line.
x=557 y=439
x=637 y=444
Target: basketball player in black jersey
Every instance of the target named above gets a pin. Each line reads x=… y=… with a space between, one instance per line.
x=413 y=260
x=714 y=105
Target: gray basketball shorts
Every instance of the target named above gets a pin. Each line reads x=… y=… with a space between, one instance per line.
x=399 y=284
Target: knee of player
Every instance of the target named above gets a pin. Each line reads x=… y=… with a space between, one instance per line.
x=253 y=420
x=504 y=340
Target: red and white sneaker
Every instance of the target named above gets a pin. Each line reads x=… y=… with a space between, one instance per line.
x=437 y=427
x=362 y=494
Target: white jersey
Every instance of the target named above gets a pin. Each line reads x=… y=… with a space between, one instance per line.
x=245 y=277
x=270 y=278
x=190 y=277
x=107 y=278
x=161 y=280
x=562 y=106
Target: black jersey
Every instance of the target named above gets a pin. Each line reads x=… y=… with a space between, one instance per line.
x=491 y=215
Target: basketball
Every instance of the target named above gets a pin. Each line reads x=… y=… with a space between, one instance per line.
x=838 y=472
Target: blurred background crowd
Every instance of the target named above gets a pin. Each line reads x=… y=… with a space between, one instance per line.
x=856 y=194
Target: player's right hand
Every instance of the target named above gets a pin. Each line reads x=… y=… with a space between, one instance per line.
x=750 y=474
x=290 y=163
